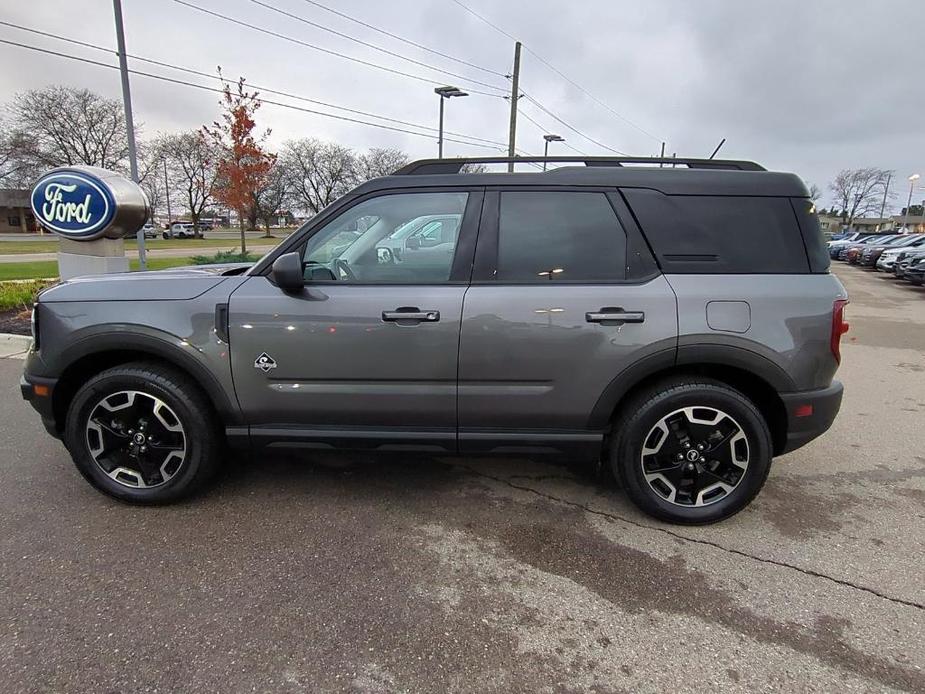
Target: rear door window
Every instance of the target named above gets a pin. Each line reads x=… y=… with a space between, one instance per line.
x=559 y=236
x=720 y=234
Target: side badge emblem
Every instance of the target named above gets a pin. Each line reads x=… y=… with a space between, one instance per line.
x=264 y=362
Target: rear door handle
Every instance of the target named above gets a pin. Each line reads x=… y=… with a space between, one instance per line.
x=411 y=313
x=615 y=315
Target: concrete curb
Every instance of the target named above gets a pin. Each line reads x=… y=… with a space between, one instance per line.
x=14 y=346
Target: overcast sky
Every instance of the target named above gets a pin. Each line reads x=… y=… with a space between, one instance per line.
x=809 y=86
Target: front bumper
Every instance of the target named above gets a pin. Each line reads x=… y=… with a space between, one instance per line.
x=41 y=403
x=810 y=414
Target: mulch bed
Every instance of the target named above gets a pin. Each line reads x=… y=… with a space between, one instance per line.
x=15 y=321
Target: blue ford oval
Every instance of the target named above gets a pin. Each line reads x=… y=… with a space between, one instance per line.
x=73 y=204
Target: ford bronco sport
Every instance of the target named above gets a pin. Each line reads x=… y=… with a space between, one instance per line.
x=678 y=322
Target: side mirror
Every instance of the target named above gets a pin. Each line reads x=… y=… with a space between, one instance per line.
x=287 y=272
x=413 y=243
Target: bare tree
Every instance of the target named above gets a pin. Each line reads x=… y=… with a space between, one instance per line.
x=64 y=126
x=151 y=173
x=273 y=195
x=858 y=192
x=320 y=172
x=378 y=162
x=192 y=162
x=17 y=170
x=815 y=192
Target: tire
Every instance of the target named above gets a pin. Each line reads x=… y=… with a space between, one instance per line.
x=655 y=425
x=180 y=445
x=166 y=235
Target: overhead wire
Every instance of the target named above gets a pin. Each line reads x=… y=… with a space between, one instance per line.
x=327 y=51
x=561 y=74
x=571 y=127
x=409 y=42
x=171 y=80
x=267 y=90
x=367 y=44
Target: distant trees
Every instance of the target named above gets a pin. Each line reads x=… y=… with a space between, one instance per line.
x=192 y=165
x=227 y=163
x=319 y=172
x=378 y=162
x=58 y=126
x=859 y=192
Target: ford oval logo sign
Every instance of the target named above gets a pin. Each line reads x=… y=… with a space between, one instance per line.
x=85 y=203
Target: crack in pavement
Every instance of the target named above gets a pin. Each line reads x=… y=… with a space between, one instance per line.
x=686 y=538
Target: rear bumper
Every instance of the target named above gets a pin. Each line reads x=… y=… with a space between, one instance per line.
x=810 y=414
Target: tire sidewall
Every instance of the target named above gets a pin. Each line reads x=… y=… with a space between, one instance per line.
x=193 y=421
x=628 y=453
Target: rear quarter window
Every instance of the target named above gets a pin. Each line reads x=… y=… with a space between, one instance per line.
x=816 y=250
x=703 y=234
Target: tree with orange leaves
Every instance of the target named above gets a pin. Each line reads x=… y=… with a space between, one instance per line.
x=244 y=163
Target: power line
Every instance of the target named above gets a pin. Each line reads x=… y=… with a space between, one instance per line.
x=171 y=80
x=402 y=39
x=571 y=127
x=560 y=73
x=370 y=45
x=487 y=21
x=545 y=130
x=255 y=86
x=328 y=51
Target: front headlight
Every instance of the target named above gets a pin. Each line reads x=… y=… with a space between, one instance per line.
x=34 y=323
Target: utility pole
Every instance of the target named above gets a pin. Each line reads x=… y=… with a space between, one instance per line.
x=661 y=154
x=167 y=189
x=129 y=123
x=515 y=95
x=886 y=190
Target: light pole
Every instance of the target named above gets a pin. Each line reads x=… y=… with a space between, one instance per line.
x=550 y=138
x=912 y=179
x=445 y=93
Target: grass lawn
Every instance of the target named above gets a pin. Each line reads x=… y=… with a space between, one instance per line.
x=49 y=268
x=31 y=246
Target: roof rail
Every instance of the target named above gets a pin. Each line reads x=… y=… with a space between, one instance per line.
x=455 y=165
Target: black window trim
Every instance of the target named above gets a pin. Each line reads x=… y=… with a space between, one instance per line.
x=486 y=255
x=463 y=257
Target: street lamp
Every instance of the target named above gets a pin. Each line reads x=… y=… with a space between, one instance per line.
x=912 y=179
x=445 y=93
x=550 y=138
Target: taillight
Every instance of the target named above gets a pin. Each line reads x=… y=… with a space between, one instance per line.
x=839 y=327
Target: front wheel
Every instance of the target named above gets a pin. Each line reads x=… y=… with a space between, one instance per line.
x=691 y=450
x=142 y=433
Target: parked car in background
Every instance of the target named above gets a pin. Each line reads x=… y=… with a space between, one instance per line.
x=889 y=256
x=150 y=231
x=871 y=252
x=180 y=230
x=850 y=250
x=835 y=247
x=915 y=271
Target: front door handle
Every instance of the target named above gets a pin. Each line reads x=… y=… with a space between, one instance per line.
x=411 y=313
x=615 y=315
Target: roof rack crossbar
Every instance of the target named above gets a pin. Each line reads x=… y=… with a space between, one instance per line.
x=455 y=165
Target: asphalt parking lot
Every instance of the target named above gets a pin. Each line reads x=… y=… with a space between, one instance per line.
x=371 y=575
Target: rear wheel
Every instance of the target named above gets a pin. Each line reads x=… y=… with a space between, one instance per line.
x=142 y=433
x=691 y=450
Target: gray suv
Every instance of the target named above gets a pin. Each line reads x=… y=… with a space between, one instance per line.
x=678 y=323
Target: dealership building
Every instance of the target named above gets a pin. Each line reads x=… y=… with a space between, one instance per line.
x=15 y=213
